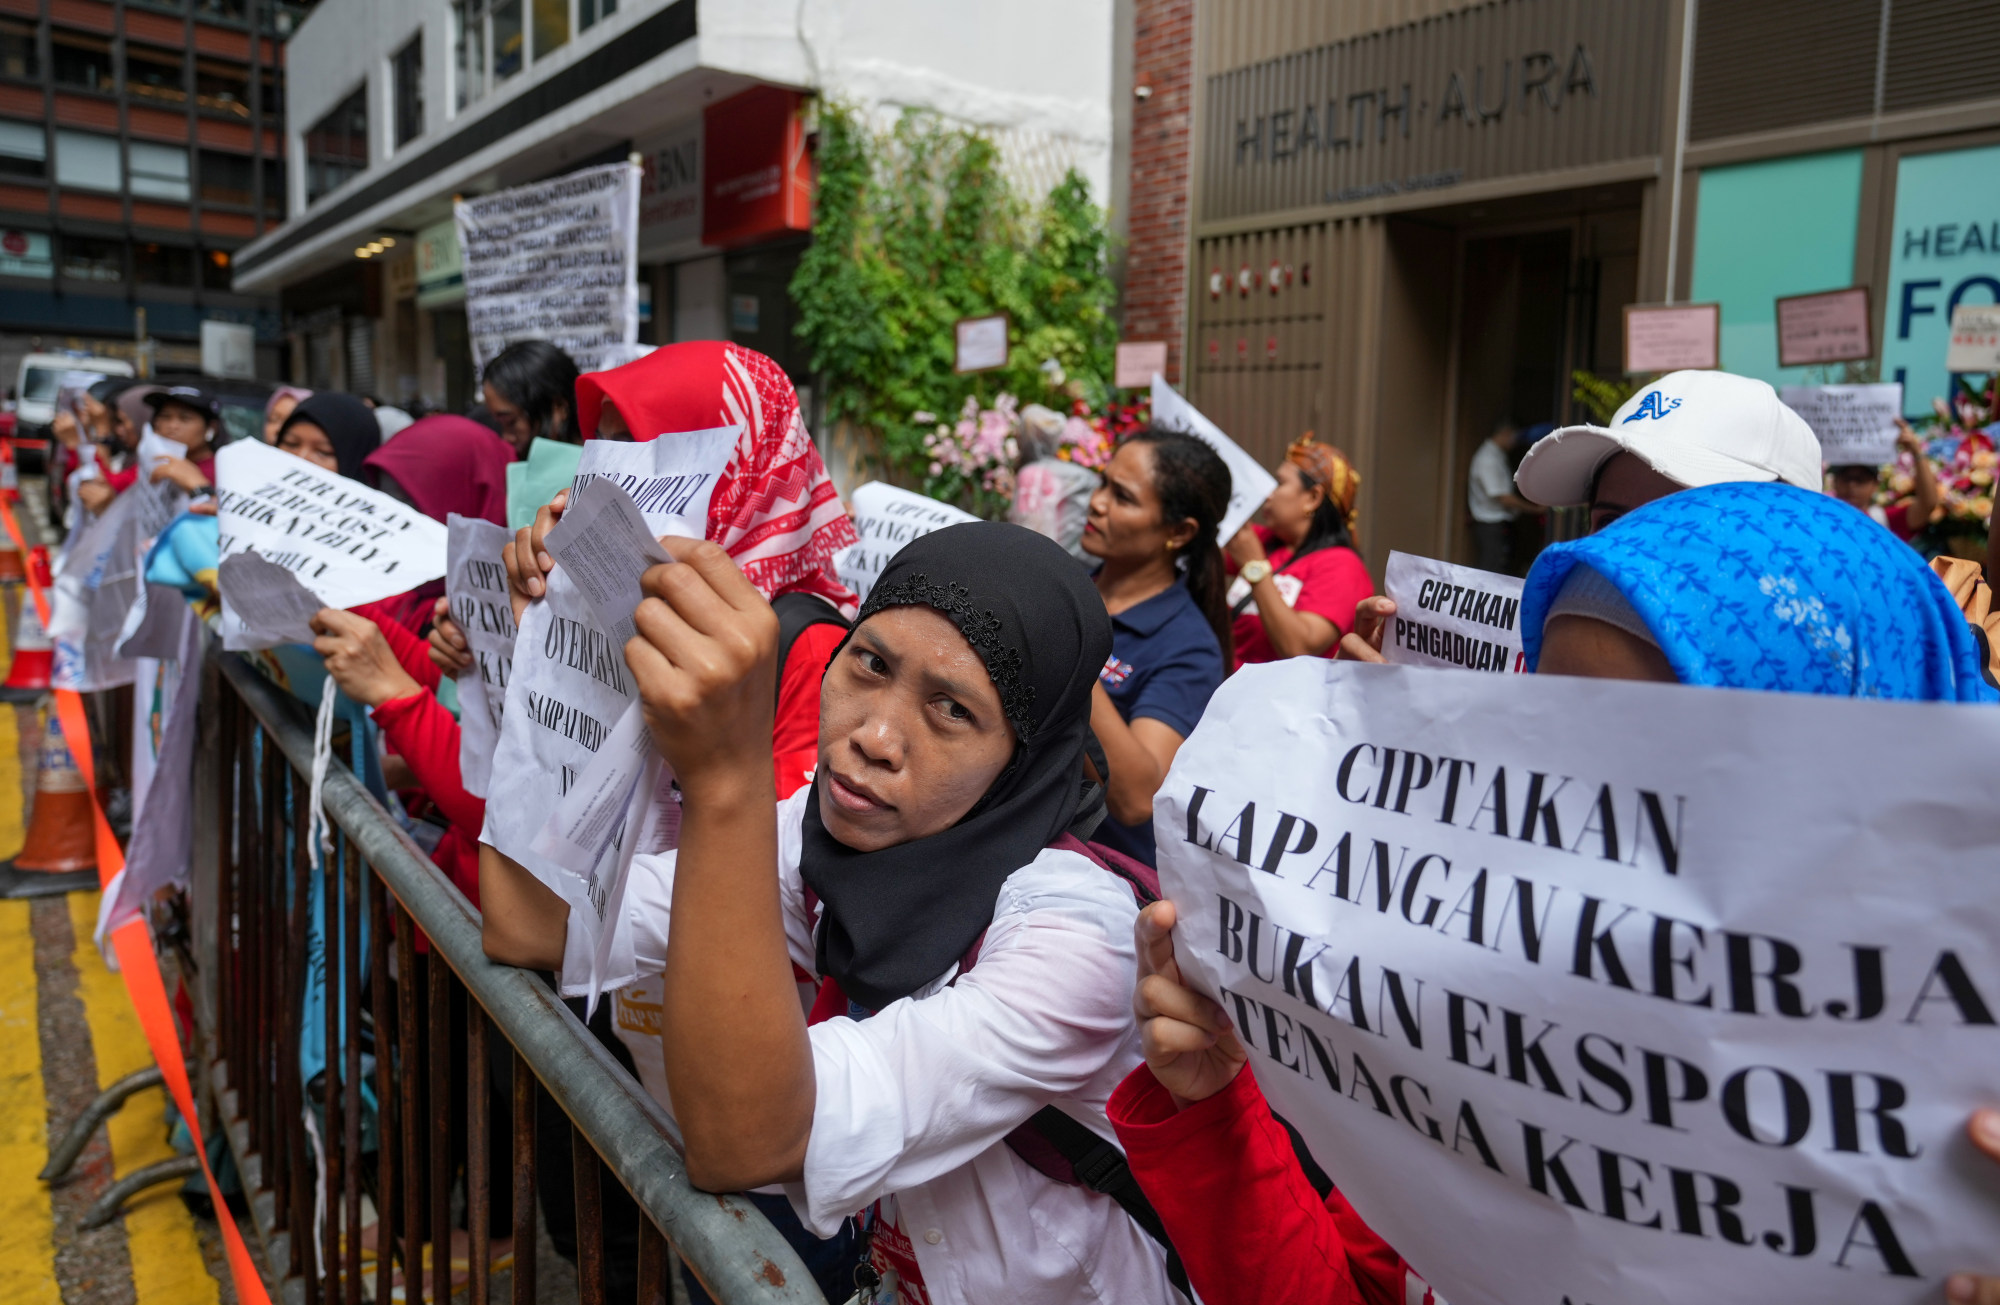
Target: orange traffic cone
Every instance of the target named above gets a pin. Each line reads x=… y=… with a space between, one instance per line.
x=34 y=654
x=10 y=475
x=61 y=837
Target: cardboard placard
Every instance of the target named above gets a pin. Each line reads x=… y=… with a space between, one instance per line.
x=1672 y=337
x=1829 y=327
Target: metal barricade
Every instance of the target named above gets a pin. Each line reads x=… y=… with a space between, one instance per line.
x=302 y=1148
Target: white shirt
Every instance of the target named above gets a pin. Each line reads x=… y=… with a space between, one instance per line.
x=1489 y=479
x=915 y=1102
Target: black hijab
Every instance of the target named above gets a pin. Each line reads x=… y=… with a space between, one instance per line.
x=898 y=918
x=348 y=422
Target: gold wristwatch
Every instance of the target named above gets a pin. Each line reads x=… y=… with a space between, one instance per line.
x=1255 y=572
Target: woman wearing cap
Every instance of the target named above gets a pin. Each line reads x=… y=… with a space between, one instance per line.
x=1299 y=577
x=187 y=416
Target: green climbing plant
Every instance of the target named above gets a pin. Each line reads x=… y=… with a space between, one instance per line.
x=918 y=226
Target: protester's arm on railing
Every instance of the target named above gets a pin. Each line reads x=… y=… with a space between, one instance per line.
x=739 y=1064
x=521 y=922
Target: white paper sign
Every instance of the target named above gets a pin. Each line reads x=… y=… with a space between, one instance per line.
x=344 y=542
x=1975 y=339
x=604 y=546
x=1855 y=423
x=569 y=685
x=1450 y=615
x=475 y=585
x=1607 y=991
x=1249 y=483
x=886 y=518
x=555 y=261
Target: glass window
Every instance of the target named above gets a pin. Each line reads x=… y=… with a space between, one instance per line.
x=222 y=88
x=551 y=26
x=156 y=264
x=337 y=146
x=159 y=171
x=81 y=60
x=85 y=258
x=275 y=191
x=155 y=74
x=509 y=42
x=588 y=12
x=83 y=159
x=214 y=269
x=469 y=31
x=227 y=179
x=24 y=150
x=17 y=50
x=407 y=70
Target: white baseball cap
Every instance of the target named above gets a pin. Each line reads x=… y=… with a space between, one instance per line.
x=1694 y=428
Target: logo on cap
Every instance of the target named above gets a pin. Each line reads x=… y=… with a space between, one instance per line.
x=1654 y=405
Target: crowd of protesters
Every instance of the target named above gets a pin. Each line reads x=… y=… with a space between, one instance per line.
x=909 y=973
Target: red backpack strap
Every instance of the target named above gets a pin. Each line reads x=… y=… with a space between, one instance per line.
x=1144 y=879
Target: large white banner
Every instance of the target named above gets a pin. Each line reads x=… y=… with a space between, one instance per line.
x=1249 y=483
x=555 y=261
x=886 y=518
x=1609 y=992
x=320 y=540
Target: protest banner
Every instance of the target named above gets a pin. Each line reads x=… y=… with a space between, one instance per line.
x=1449 y=615
x=1854 y=423
x=1975 y=339
x=555 y=261
x=475 y=586
x=342 y=543
x=886 y=518
x=1656 y=981
x=569 y=690
x=1829 y=327
x=98 y=582
x=1249 y=483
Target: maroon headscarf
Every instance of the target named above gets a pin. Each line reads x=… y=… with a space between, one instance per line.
x=446 y=465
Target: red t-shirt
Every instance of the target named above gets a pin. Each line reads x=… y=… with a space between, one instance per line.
x=1330 y=582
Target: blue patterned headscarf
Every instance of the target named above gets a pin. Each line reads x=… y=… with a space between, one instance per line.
x=1764 y=586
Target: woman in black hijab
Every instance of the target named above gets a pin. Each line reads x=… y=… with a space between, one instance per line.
x=336 y=432
x=938 y=832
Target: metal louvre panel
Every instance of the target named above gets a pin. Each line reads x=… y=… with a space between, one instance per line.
x=1936 y=53
x=1235 y=33
x=1765 y=64
x=1505 y=89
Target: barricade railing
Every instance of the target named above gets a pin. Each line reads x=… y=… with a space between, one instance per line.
x=418 y=1026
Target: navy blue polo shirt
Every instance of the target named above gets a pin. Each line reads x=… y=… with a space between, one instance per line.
x=1165 y=664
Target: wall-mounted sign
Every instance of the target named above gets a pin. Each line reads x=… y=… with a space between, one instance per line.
x=1944 y=252
x=670 y=191
x=982 y=343
x=1486 y=91
x=1672 y=337
x=440 y=271
x=1139 y=362
x=26 y=253
x=757 y=177
x=1975 y=339
x=1824 y=328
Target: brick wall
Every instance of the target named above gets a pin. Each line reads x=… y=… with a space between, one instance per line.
x=1156 y=255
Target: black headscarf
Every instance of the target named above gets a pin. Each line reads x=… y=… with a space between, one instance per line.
x=348 y=422
x=898 y=918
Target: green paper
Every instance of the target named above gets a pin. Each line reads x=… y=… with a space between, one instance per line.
x=550 y=467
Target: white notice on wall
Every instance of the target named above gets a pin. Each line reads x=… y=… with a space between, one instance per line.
x=1654 y=980
x=344 y=542
x=886 y=518
x=555 y=261
x=1450 y=615
x=1854 y=423
x=569 y=685
x=1249 y=483
x=475 y=584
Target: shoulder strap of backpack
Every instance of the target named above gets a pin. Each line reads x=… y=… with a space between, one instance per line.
x=798 y=613
x=1101 y=1167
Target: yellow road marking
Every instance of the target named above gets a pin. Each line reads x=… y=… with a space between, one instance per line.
x=167 y=1266
x=12 y=834
x=27 y=1225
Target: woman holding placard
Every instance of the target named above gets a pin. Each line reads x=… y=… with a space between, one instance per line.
x=1299 y=577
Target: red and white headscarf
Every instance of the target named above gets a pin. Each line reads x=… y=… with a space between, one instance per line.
x=775 y=510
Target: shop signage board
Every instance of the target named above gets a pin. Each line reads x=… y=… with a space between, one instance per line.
x=555 y=261
x=26 y=253
x=440 y=270
x=1944 y=254
x=756 y=173
x=1975 y=339
x=1672 y=337
x=981 y=343
x=1824 y=328
x=1856 y=424
x=670 y=192
x=1139 y=362
x=1653 y=980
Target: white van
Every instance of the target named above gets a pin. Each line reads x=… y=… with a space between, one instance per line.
x=41 y=375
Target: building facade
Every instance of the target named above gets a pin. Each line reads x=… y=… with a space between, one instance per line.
x=141 y=145
x=1410 y=219
x=398 y=107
